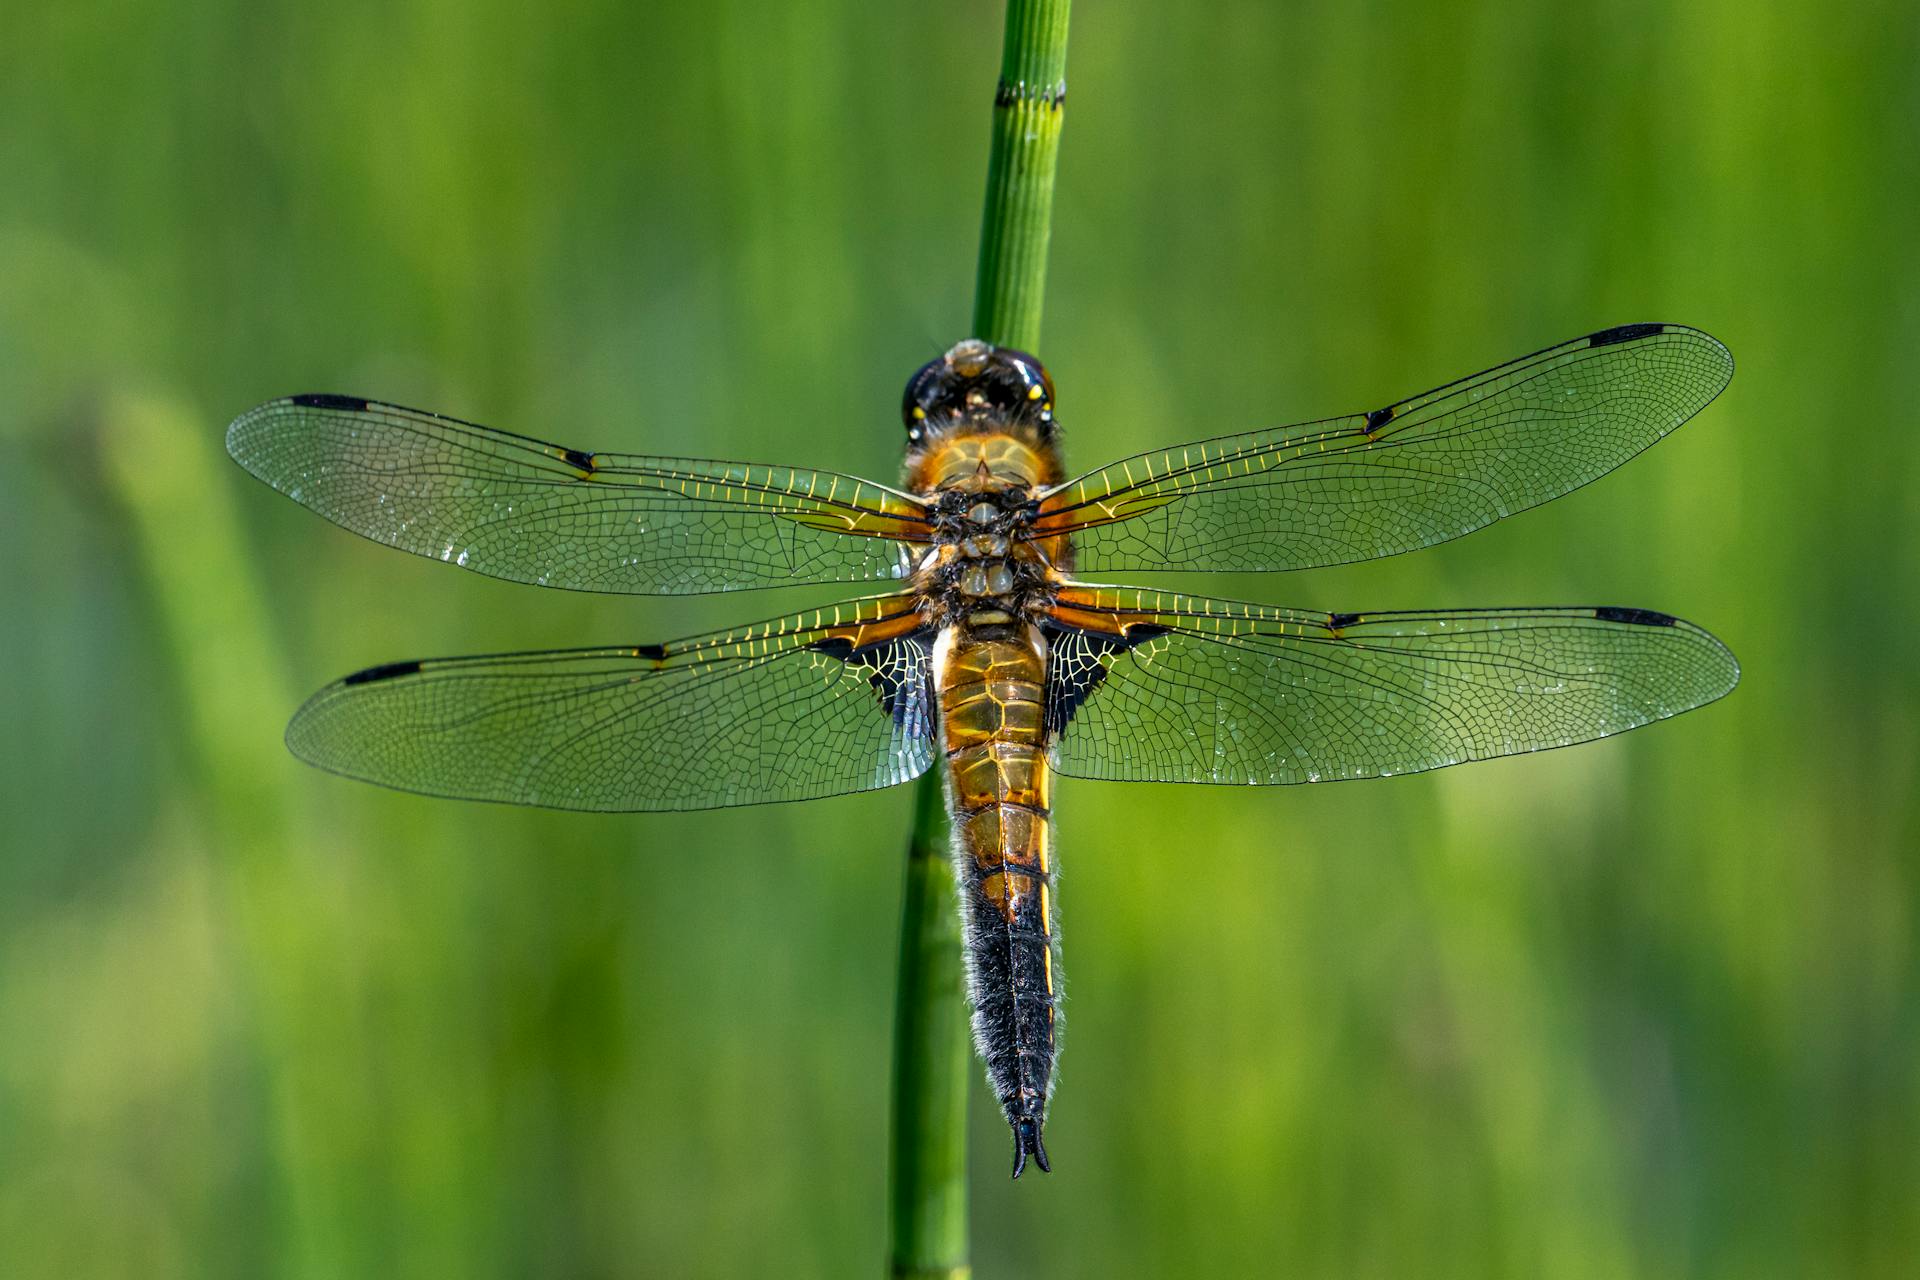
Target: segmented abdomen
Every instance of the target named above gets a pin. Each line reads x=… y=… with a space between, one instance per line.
x=992 y=680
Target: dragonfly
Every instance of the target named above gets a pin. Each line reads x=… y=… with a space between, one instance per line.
x=979 y=646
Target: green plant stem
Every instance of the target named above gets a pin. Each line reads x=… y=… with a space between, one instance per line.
x=1028 y=110
x=932 y=1059
x=932 y=1052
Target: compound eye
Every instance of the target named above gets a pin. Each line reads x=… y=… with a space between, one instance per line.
x=913 y=404
x=1035 y=382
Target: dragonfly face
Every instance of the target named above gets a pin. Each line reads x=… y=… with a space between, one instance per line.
x=985 y=650
x=976 y=383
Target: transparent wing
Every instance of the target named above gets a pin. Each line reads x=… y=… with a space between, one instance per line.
x=1405 y=476
x=517 y=508
x=1153 y=687
x=815 y=704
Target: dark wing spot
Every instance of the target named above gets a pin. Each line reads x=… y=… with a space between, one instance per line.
x=1635 y=617
x=1379 y=418
x=327 y=400
x=578 y=460
x=1077 y=665
x=1624 y=333
x=905 y=688
x=385 y=671
x=651 y=652
x=1335 y=621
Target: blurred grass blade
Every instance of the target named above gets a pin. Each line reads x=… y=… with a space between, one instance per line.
x=163 y=463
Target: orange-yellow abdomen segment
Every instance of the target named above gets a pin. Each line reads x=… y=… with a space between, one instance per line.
x=992 y=682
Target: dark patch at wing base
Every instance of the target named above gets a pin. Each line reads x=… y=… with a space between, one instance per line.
x=1077 y=664
x=1254 y=694
x=904 y=689
x=748 y=716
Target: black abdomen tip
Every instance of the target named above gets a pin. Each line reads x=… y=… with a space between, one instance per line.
x=1026 y=1142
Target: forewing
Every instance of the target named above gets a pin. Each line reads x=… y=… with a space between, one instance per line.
x=815 y=704
x=513 y=507
x=1158 y=687
x=1404 y=476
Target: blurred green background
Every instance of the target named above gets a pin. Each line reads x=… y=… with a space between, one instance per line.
x=1643 y=1008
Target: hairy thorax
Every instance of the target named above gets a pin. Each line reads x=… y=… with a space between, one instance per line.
x=981 y=482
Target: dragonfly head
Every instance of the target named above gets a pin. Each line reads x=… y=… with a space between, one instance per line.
x=977 y=383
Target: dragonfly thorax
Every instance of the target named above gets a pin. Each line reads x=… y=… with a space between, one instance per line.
x=980 y=488
x=983 y=566
x=970 y=513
